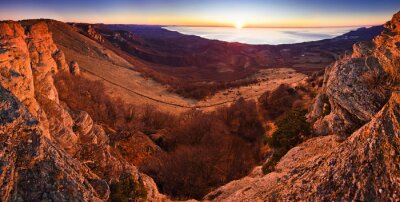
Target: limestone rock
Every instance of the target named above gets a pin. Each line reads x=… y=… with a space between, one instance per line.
x=74 y=68
x=42 y=141
x=83 y=123
x=356 y=90
x=15 y=70
x=93 y=33
x=10 y=30
x=44 y=66
x=41 y=50
x=59 y=57
x=357 y=86
x=394 y=24
x=32 y=167
x=61 y=124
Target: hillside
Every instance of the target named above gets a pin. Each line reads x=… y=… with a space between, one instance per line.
x=124 y=79
x=127 y=74
x=357 y=159
x=197 y=68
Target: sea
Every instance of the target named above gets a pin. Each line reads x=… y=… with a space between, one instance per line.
x=258 y=36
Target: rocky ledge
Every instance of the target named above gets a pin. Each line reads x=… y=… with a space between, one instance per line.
x=49 y=152
x=358 y=159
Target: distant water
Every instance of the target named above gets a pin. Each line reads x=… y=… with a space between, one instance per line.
x=272 y=36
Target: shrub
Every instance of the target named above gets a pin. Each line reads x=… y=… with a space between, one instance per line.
x=278 y=102
x=292 y=129
x=128 y=190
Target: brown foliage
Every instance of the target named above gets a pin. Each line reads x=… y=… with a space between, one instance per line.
x=278 y=102
x=201 y=151
x=206 y=150
x=80 y=93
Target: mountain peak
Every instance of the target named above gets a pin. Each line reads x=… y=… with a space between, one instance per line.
x=394 y=24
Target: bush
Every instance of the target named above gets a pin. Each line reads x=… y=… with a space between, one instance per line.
x=292 y=129
x=128 y=190
x=278 y=102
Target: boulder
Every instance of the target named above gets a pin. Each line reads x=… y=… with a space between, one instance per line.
x=74 y=68
x=83 y=123
x=358 y=86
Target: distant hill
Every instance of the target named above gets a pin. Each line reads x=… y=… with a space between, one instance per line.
x=196 y=67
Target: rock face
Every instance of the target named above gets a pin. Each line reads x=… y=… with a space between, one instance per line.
x=34 y=168
x=44 y=66
x=48 y=151
x=357 y=86
x=16 y=72
x=359 y=160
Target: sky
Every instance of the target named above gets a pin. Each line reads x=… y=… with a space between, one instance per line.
x=249 y=13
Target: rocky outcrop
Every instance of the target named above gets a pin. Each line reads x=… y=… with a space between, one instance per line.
x=48 y=151
x=15 y=71
x=357 y=86
x=355 y=90
x=362 y=168
x=360 y=109
x=74 y=68
x=34 y=168
x=93 y=33
x=136 y=147
x=42 y=51
x=59 y=57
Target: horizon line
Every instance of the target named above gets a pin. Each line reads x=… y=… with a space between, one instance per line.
x=189 y=25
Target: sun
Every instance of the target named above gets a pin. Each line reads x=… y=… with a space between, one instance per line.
x=239 y=24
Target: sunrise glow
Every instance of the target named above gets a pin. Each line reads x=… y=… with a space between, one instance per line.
x=252 y=13
x=239 y=24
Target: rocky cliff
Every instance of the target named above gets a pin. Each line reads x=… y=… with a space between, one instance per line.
x=359 y=112
x=48 y=151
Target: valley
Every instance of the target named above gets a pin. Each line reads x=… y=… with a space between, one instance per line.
x=121 y=112
x=133 y=73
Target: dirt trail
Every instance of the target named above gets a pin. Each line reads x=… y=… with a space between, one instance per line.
x=176 y=104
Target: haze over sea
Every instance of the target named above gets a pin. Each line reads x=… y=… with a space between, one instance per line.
x=272 y=36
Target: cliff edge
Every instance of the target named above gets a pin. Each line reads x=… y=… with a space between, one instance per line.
x=45 y=146
x=358 y=112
